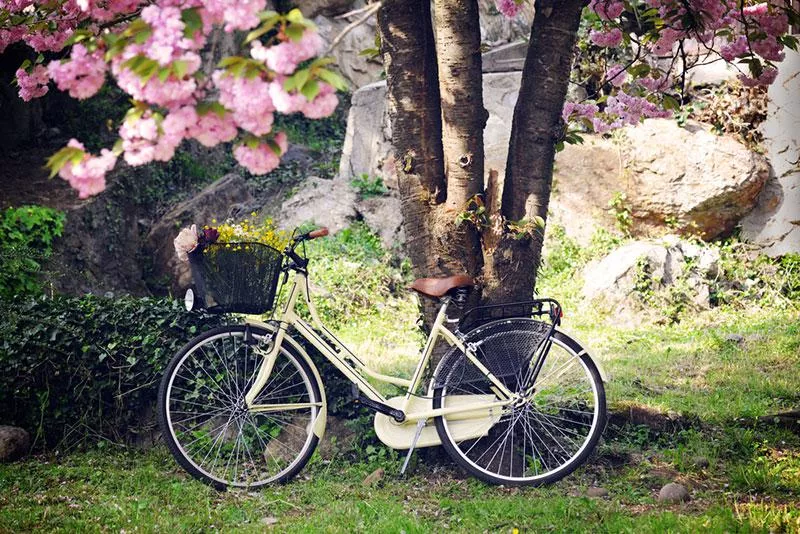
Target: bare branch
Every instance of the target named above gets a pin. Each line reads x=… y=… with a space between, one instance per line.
x=372 y=9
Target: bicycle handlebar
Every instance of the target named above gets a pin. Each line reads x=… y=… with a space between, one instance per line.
x=299 y=261
x=319 y=232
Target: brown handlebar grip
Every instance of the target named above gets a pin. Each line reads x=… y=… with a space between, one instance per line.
x=319 y=232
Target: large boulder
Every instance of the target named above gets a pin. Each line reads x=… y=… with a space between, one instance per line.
x=697 y=180
x=631 y=278
x=227 y=197
x=662 y=176
x=15 y=442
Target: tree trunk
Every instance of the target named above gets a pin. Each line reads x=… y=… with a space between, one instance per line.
x=433 y=188
x=458 y=40
x=511 y=264
x=409 y=57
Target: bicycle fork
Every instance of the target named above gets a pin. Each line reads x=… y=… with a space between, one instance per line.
x=267 y=363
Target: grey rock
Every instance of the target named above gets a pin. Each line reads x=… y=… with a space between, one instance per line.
x=15 y=442
x=618 y=279
x=327 y=8
x=328 y=203
x=224 y=198
x=673 y=493
x=597 y=493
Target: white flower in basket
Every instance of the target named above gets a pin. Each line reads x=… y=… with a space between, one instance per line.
x=186 y=242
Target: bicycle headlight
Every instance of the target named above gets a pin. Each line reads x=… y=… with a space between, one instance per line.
x=188 y=299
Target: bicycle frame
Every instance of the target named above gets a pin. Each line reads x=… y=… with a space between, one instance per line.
x=355 y=369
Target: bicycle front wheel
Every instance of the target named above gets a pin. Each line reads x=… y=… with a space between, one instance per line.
x=548 y=432
x=210 y=430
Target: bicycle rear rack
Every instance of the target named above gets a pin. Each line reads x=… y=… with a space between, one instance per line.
x=526 y=308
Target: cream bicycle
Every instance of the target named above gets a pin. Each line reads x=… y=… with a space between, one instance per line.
x=514 y=400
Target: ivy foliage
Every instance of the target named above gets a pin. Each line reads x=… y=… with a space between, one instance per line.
x=27 y=234
x=79 y=370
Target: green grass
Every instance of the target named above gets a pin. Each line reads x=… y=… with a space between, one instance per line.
x=144 y=491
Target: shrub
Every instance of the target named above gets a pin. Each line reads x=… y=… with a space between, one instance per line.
x=27 y=234
x=78 y=370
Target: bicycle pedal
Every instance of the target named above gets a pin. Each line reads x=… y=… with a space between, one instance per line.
x=420 y=425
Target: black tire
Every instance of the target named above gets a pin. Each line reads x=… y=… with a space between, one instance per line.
x=201 y=410
x=561 y=421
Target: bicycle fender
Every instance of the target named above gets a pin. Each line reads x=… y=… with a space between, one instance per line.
x=319 y=424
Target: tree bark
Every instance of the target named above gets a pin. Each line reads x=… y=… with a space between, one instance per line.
x=434 y=189
x=409 y=57
x=511 y=264
x=463 y=119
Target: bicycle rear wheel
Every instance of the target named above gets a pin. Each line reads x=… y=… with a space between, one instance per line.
x=544 y=436
x=208 y=428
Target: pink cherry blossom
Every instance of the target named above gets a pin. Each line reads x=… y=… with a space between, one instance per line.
x=284 y=57
x=607 y=9
x=616 y=75
x=212 y=129
x=284 y=101
x=249 y=99
x=82 y=75
x=258 y=160
x=607 y=39
x=509 y=8
x=33 y=85
x=323 y=105
x=767 y=77
x=88 y=175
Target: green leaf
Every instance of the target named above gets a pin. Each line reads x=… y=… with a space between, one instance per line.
x=294 y=32
x=67 y=154
x=310 y=90
x=258 y=32
x=333 y=79
x=670 y=103
x=229 y=61
x=211 y=107
x=639 y=71
x=180 y=68
x=142 y=36
x=192 y=21
x=295 y=15
x=297 y=80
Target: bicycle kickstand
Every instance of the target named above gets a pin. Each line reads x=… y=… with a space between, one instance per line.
x=420 y=425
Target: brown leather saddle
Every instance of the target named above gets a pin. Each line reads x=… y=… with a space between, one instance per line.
x=438 y=287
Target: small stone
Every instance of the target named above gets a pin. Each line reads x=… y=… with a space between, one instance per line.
x=734 y=338
x=701 y=462
x=14 y=443
x=672 y=493
x=269 y=520
x=373 y=477
x=597 y=493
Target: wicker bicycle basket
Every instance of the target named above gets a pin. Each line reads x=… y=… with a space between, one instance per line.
x=236 y=277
